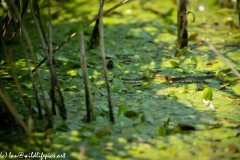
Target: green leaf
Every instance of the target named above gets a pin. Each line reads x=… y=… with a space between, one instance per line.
x=197 y=61
x=117 y=81
x=118 y=85
x=123 y=121
x=131 y=114
x=73 y=72
x=193 y=36
x=147 y=75
x=39 y=57
x=162 y=130
x=104 y=131
x=80 y=72
x=207 y=94
x=174 y=64
x=61 y=58
x=186 y=69
x=115 y=88
x=236 y=89
x=93 y=140
x=25 y=77
x=119 y=66
x=44 y=74
x=122 y=109
x=103 y=93
x=2 y=62
x=146 y=118
x=129 y=87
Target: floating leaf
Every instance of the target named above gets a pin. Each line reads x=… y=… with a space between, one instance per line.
x=174 y=64
x=62 y=58
x=236 y=89
x=186 y=69
x=119 y=66
x=162 y=130
x=146 y=118
x=115 y=88
x=103 y=93
x=73 y=72
x=123 y=121
x=147 y=75
x=93 y=140
x=131 y=114
x=44 y=74
x=129 y=87
x=39 y=57
x=104 y=131
x=193 y=36
x=197 y=61
x=118 y=85
x=122 y=109
x=80 y=72
x=25 y=77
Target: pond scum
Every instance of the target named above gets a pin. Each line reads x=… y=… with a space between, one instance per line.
x=120 y=79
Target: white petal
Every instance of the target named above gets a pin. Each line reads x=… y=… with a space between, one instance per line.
x=201 y=8
x=211 y=106
x=129 y=11
x=206 y=102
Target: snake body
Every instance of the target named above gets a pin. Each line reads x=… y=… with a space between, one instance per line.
x=186 y=79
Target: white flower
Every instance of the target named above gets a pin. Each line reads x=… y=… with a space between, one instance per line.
x=129 y=11
x=201 y=8
x=229 y=19
x=211 y=106
x=206 y=102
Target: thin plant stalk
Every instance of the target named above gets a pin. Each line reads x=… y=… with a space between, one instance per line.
x=72 y=35
x=89 y=105
x=54 y=80
x=238 y=10
x=102 y=50
x=25 y=33
x=182 y=25
x=40 y=21
x=224 y=59
x=6 y=99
